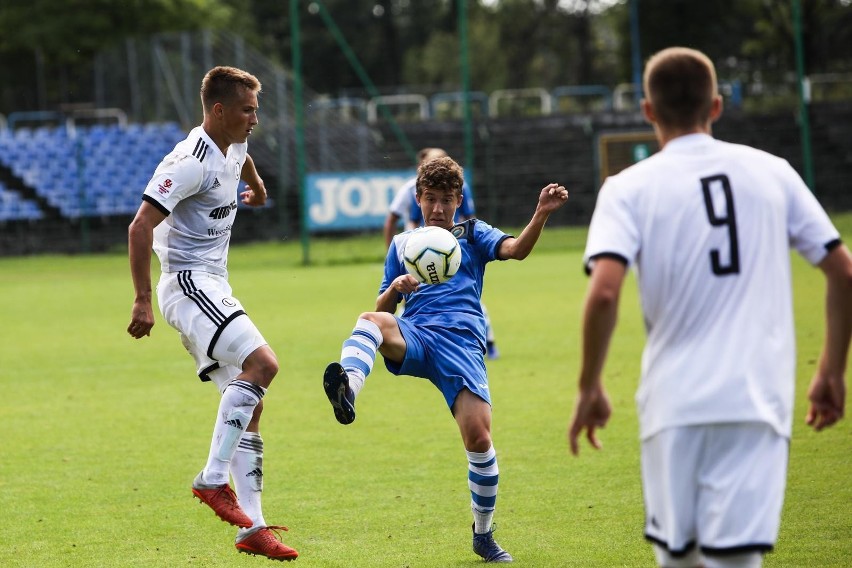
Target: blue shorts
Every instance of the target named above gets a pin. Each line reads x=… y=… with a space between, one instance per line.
x=452 y=359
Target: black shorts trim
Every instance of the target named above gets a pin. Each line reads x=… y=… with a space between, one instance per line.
x=729 y=551
x=710 y=550
x=611 y=255
x=204 y=375
x=676 y=553
x=221 y=328
x=831 y=245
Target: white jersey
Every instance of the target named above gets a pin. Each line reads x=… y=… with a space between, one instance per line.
x=708 y=227
x=196 y=187
x=401 y=204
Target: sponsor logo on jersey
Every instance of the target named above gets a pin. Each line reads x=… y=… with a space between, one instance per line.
x=222 y=212
x=219 y=232
x=164 y=187
x=215 y=183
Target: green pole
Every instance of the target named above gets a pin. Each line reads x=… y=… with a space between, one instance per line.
x=364 y=77
x=804 y=96
x=300 y=128
x=465 y=77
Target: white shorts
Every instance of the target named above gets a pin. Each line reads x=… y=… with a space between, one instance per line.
x=719 y=487
x=213 y=326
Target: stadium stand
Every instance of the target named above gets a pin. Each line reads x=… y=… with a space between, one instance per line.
x=97 y=170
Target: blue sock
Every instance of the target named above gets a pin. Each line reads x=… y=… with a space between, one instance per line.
x=359 y=353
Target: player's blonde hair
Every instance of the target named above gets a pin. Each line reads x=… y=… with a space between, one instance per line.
x=441 y=174
x=221 y=85
x=680 y=84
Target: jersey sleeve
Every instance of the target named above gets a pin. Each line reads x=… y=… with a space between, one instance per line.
x=811 y=232
x=613 y=231
x=393 y=261
x=487 y=238
x=177 y=177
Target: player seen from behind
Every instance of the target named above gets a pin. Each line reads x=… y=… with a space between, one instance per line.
x=708 y=226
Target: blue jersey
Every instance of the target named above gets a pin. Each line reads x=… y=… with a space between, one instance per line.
x=454 y=304
x=466 y=210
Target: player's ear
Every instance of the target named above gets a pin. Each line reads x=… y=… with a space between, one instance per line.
x=648 y=111
x=716 y=108
x=218 y=110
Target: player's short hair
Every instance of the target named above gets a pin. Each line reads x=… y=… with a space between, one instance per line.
x=426 y=154
x=440 y=174
x=680 y=84
x=222 y=85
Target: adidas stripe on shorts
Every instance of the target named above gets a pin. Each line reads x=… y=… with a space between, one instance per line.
x=213 y=326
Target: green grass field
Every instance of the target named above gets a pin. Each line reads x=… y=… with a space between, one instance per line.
x=103 y=434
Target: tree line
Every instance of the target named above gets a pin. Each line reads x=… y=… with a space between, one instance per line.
x=47 y=46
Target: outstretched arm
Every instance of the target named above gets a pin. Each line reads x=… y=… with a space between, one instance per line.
x=140 y=237
x=551 y=198
x=255 y=193
x=593 y=409
x=827 y=391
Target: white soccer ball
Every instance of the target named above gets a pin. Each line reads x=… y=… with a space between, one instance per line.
x=432 y=255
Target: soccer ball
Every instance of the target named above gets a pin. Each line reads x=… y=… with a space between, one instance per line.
x=432 y=255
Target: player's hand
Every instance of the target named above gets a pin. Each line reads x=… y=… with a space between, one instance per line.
x=591 y=412
x=141 y=320
x=254 y=197
x=405 y=284
x=828 y=397
x=552 y=197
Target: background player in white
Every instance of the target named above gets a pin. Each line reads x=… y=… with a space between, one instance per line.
x=440 y=335
x=406 y=208
x=708 y=226
x=187 y=211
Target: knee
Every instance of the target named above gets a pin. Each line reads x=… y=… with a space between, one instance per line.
x=261 y=367
x=478 y=442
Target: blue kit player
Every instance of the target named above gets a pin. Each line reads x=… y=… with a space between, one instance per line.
x=440 y=334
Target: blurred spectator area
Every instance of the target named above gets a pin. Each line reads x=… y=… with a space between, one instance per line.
x=93 y=170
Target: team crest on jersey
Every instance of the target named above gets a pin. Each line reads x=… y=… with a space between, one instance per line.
x=458 y=231
x=237 y=170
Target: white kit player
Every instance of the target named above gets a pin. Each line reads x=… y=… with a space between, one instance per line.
x=187 y=213
x=708 y=226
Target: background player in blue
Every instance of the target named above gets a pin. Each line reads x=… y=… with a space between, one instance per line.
x=441 y=332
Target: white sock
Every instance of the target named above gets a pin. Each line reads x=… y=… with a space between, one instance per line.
x=235 y=410
x=247 y=471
